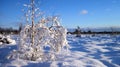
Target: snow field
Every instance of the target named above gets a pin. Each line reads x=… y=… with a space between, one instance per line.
x=87 y=51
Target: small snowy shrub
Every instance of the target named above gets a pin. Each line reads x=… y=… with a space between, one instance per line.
x=42 y=41
x=53 y=37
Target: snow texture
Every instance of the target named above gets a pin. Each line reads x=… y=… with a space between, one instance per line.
x=87 y=51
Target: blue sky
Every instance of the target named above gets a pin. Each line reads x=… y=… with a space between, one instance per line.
x=73 y=13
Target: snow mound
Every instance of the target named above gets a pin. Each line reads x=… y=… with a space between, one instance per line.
x=6 y=40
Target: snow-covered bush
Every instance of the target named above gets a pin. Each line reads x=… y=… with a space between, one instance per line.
x=53 y=37
x=6 y=40
x=41 y=41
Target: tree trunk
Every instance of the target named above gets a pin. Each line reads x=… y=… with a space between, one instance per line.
x=32 y=18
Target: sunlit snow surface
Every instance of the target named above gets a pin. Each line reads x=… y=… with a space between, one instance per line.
x=87 y=51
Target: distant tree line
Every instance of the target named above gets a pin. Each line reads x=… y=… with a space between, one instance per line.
x=78 y=31
x=9 y=30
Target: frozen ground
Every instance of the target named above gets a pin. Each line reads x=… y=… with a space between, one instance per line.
x=87 y=51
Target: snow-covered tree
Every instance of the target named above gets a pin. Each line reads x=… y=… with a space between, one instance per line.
x=35 y=38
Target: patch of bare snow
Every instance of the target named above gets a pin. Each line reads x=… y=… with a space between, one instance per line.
x=17 y=63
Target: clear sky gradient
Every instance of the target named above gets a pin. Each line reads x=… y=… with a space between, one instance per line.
x=73 y=13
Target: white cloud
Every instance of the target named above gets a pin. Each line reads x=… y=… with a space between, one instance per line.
x=84 y=12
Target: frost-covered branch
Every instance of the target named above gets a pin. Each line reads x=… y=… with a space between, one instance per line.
x=35 y=37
